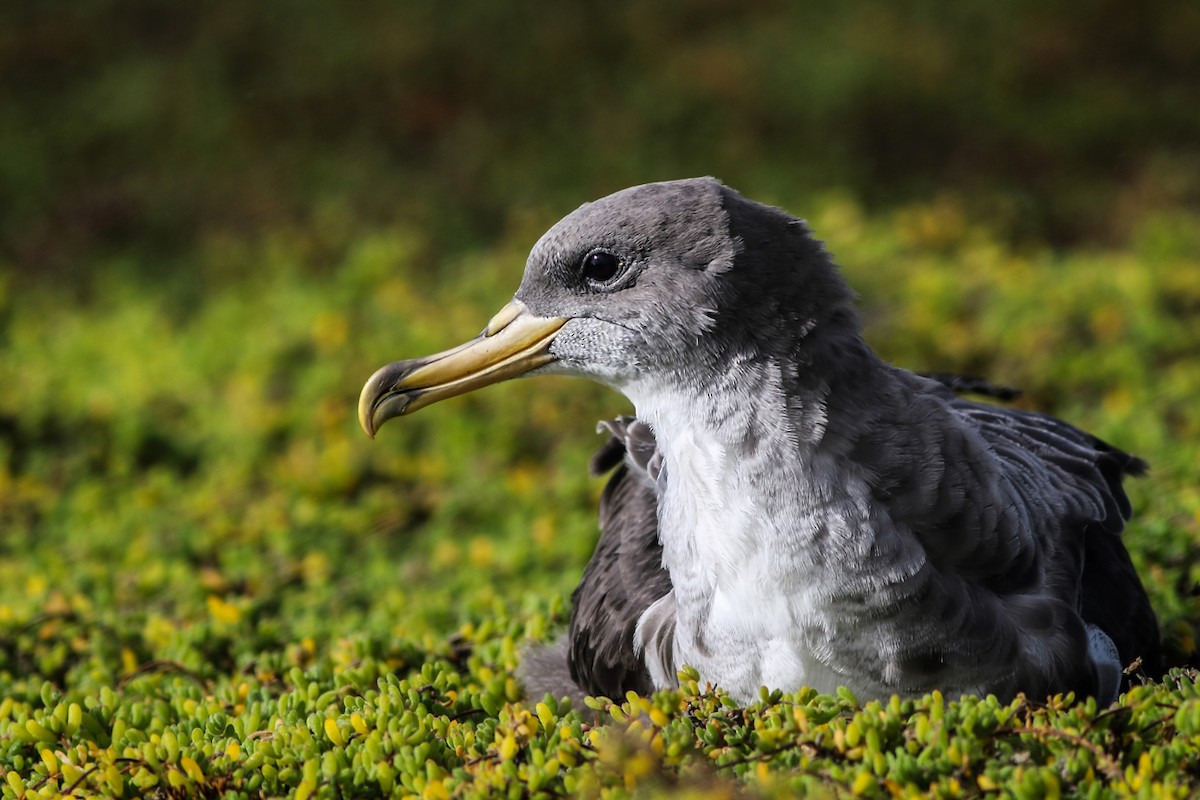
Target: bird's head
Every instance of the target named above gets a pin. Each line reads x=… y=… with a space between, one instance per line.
x=672 y=282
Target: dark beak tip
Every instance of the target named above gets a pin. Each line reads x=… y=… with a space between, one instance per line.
x=368 y=404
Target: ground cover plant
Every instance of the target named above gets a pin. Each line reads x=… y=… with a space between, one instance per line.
x=211 y=583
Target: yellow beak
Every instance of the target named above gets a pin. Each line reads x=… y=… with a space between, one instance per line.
x=513 y=343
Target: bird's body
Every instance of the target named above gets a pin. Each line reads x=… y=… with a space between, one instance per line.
x=787 y=509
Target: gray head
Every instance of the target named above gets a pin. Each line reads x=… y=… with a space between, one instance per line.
x=674 y=280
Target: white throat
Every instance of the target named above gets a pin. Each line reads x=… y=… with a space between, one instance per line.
x=739 y=480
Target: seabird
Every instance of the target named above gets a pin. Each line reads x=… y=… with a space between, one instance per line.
x=787 y=509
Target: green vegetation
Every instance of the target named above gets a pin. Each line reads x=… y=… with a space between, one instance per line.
x=215 y=224
x=211 y=579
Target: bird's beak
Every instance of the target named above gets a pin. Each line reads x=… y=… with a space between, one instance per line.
x=513 y=343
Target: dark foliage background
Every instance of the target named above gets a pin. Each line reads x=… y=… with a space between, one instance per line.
x=144 y=125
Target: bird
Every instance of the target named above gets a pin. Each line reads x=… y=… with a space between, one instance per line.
x=785 y=508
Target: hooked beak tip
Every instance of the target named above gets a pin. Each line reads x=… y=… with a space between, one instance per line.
x=513 y=343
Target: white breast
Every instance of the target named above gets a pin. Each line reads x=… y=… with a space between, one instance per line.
x=746 y=589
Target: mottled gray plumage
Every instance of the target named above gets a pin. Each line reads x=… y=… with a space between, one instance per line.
x=787 y=509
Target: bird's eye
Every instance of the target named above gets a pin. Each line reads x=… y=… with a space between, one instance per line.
x=600 y=267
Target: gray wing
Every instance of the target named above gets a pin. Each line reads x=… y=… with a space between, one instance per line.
x=966 y=384
x=625 y=575
x=1088 y=473
x=1020 y=517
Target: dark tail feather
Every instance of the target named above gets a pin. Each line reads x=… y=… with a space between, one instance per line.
x=544 y=670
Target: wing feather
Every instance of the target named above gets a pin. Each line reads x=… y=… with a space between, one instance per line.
x=1087 y=475
x=625 y=575
x=1028 y=511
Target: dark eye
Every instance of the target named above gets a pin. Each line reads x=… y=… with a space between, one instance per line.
x=600 y=267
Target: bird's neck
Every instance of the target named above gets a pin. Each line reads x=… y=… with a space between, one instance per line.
x=744 y=464
x=750 y=469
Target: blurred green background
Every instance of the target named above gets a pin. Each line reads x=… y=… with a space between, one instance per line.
x=143 y=127
x=217 y=219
